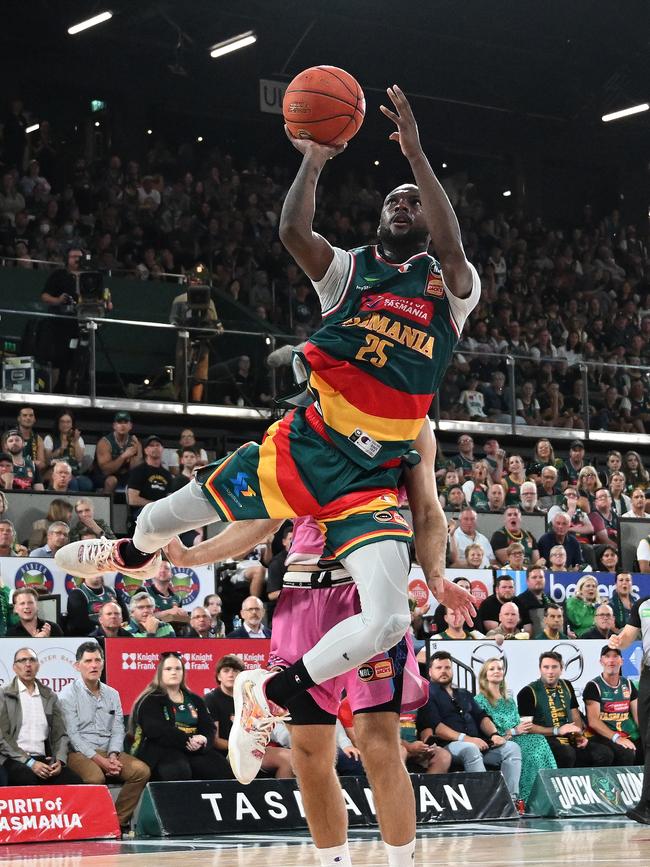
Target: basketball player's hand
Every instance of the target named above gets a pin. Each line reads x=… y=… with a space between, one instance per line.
x=454 y=596
x=320 y=152
x=176 y=552
x=614 y=642
x=407 y=135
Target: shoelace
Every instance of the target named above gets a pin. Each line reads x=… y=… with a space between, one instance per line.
x=103 y=557
x=263 y=728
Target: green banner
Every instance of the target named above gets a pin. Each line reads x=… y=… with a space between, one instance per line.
x=585 y=791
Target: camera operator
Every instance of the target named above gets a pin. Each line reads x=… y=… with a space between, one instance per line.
x=60 y=293
x=194 y=308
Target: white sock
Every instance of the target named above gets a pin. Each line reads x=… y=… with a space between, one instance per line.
x=336 y=856
x=401 y=856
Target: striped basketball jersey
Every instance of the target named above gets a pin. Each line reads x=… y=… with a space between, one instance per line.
x=383 y=348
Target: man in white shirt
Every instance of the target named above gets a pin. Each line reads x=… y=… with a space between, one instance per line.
x=33 y=743
x=466 y=534
x=252 y=614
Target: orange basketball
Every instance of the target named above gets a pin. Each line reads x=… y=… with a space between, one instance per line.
x=325 y=104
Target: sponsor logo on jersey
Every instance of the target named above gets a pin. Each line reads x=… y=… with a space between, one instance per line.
x=416 y=309
x=435 y=282
x=406 y=335
x=381 y=669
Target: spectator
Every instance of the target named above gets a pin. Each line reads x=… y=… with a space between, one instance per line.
x=109 y=623
x=276 y=569
x=528 y=498
x=580 y=525
x=88 y=523
x=172 y=730
x=220 y=703
x=33 y=446
x=623 y=599
x=497 y=400
x=474 y=556
x=30 y=625
x=613 y=464
x=553 y=624
x=508 y=626
x=576 y=463
x=620 y=501
x=560 y=535
x=84 y=604
x=116 y=455
x=252 y=614
x=454 y=717
x=189 y=462
x=636 y=474
x=143 y=623
x=493 y=699
x=587 y=485
x=465 y=459
x=8 y=545
x=464 y=534
x=553 y=705
x=581 y=608
x=65 y=443
x=527 y=404
x=475 y=489
x=557 y=560
x=58 y=535
x=252 y=569
x=188 y=440
x=604 y=624
x=148 y=481
x=11 y=199
x=169 y=606
x=604 y=519
x=496 y=499
x=25 y=475
x=34 y=744
x=95 y=726
x=543 y=456
x=513 y=532
x=6 y=474
x=638 y=506
x=606 y=558
x=611 y=702
x=200 y=624
x=472 y=400
x=454 y=500
x=515 y=557
x=533 y=601
x=494 y=455
x=514 y=480
x=213 y=604
x=549 y=491
x=59 y=510
x=455 y=628
x=488 y=613
x=61 y=479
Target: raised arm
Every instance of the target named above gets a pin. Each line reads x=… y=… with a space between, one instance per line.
x=439 y=214
x=310 y=250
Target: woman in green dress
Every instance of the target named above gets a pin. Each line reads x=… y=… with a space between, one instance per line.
x=502 y=710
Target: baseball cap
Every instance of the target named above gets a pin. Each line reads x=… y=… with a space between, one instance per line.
x=577 y=444
x=152 y=439
x=122 y=416
x=14 y=432
x=5 y=458
x=608 y=649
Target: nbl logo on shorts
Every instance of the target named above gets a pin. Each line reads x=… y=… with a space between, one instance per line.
x=381 y=669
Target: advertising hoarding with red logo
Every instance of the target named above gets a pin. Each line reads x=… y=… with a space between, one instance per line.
x=36 y=814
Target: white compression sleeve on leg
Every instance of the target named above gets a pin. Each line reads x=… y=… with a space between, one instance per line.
x=183 y=510
x=380 y=572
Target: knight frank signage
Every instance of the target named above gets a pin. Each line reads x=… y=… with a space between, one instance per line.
x=585 y=791
x=225 y=807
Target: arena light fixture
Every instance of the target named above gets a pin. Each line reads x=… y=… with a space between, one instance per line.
x=233 y=44
x=90 y=22
x=625 y=112
x=32 y=128
x=506 y=193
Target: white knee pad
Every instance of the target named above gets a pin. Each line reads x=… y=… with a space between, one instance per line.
x=392 y=631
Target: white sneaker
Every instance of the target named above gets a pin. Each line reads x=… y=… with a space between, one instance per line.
x=252 y=724
x=97 y=556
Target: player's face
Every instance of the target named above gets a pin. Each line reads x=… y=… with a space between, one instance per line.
x=402 y=220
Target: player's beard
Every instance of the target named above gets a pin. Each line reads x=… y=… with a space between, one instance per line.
x=405 y=245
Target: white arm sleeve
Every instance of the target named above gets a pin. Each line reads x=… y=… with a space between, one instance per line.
x=462 y=307
x=331 y=288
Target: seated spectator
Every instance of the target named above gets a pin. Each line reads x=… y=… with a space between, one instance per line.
x=277 y=568
x=173 y=732
x=496 y=498
x=252 y=614
x=200 y=624
x=88 y=523
x=623 y=599
x=549 y=493
x=60 y=510
x=95 y=726
x=494 y=457
x=143 y=623
x=65 y=443
x=252 y=569
x=512 y=532
x=465 y=533
x=34 y=743
x=557 y=560
x=611 y=702
x=543 y=456
x=606 y=558
x=527 y=404
x=33 y=442
x=636 y=475
x=587 y=485
x=8 y=545
x=528 y=497
x=494 y=700
x=638 y=506
x=220 y=703
x=6 y=474
x=581 y=608
x=508 y=626
x=604 y=624
x=30 y=625
x=455 y=628
x=213 y=604
x=498 y=399
x=189 y=461
x=580 y=525
x=26 y=476
x=61 y=479
x=621 y=503
x=553 y=624
x=462 y=726
x=186 y=440
x=451 y=479
x=560 y=535
x=58 y=535
x=514 y=480
x=475 y=489
x=85 y=602
x=515 y=557
x=474 y=556
x=533 y=601
x=149 y=481
x=488 y=612
x=437 y=619
x=604 y=519
x=169 y=607
x=116 y=454
x=109 y=623
x=454 y=499
x=553 y=706
x=465 y=459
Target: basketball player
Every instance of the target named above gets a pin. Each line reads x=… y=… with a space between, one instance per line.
x=392 y=316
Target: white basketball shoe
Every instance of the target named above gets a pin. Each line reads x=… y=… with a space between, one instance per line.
x=97 y=556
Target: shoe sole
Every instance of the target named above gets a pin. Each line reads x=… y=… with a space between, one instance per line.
x=233 y=753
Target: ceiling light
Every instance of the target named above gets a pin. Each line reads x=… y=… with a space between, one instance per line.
x=507 y=193
x=444 y=165
x=90 y=22
x=376 y=162
x=625 y=112
x=233 y=44
x=199 y=138
x=149 y=132
x=32 y=128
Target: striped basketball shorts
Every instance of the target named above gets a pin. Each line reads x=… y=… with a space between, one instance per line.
x=296 y=472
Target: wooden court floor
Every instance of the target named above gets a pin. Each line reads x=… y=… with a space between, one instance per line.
x=526 y=843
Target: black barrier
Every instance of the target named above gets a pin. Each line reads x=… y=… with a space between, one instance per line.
x=226 y=807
